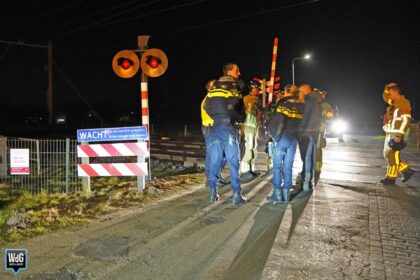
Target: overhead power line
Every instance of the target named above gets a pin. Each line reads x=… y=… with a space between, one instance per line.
x=229 y=19
x=90 y=27
x=242 y=17
x=43 y=14
x=100 y=13
x=23 y=44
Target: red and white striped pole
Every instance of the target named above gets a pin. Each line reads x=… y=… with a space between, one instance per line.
x=142 y=43
x=144 y=102
x=273 y=69
x=145 y=115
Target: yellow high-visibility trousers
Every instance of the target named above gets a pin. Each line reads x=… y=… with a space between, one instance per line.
x=395 y=164
x=251 y=149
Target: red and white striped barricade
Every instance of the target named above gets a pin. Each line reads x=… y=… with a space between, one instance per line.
x=113 y=150
x=138 y=149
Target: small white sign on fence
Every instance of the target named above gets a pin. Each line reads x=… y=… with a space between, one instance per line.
x=19 y=162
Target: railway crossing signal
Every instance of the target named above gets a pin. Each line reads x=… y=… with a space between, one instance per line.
x=153 y=63
x=125 y=64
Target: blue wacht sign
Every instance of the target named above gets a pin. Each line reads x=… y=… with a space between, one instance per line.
x=112 y=134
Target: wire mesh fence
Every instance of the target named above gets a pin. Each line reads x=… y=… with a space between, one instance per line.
x=52 y=165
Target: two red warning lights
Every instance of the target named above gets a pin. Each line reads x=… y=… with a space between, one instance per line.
x=153 y=63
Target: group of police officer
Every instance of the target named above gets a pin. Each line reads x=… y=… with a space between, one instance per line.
x=296 y=118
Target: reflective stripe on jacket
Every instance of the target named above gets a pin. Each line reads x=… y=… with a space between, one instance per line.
x=400 y=117
x=251 y=111
x=286 y=118
x=224 y=106
x=206 y=120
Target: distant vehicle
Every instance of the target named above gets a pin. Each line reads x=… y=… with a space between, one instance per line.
x=61 y=119
x=337 y=126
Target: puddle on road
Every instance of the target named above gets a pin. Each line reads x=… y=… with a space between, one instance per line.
x=212 y=220
x=105 y=249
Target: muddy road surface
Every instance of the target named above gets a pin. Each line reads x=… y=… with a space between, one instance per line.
x=339 y=230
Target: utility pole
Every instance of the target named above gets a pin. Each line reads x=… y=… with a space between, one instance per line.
x=50 y=72
x=50 y=84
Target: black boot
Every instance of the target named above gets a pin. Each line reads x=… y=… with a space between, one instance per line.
x=238 y=199
x=275 y=197
x=286 y=195
x=213 y=196
x=388 y=182
x=255 y=173
x=317 y=176
x=407 y=175
x=299 y=181
x=223 y=181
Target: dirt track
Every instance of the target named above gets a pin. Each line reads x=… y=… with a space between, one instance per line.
x=184 y=238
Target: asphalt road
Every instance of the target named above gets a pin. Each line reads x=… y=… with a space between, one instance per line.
x=348 y=227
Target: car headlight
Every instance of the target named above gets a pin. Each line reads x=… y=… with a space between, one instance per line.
x=339 y=126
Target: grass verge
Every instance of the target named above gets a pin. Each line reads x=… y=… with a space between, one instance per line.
x=25 y=215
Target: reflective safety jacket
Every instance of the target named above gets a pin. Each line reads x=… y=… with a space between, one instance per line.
x=286 y=118
x=327 y=114
x=206 y=120
x=398 y=116
x=224 y=106
x=251 y=111
x=327 y=111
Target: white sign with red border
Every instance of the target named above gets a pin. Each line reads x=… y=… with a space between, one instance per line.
x=19 y=162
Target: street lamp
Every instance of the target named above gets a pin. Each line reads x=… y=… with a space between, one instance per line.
x=307 y=56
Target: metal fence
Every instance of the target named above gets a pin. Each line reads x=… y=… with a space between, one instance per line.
x=53 y=165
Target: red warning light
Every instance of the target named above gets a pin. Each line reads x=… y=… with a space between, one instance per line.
x=125 y=64
x=154 y=62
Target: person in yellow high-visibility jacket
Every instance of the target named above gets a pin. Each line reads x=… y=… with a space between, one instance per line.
x=396 y=124
x=206 y=120
x=327 y=114
x=206 y=124
x=250 y=130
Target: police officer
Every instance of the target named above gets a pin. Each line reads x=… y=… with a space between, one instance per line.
x=267 y=112
x=283 y=129
x=396 y=124
x=224 y=105
x=206 y=124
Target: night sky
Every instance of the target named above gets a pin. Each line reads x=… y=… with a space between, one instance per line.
x=356 y=48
